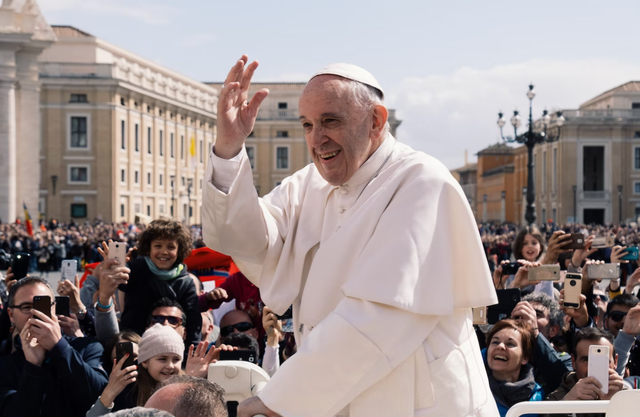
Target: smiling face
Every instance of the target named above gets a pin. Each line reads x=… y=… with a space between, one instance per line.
x=341 y=134
x=164 y=253
x=504 y=355
x=530 y=248
x=164 y=366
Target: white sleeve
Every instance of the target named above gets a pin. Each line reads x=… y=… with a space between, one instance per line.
x=224 y=171
x=354 y=347
x=271 y=361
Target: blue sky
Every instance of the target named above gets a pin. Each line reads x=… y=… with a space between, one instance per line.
x=447 y=67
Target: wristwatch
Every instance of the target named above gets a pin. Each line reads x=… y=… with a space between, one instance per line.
x=81 y=314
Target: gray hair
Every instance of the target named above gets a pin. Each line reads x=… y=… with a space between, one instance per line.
x=139 y=412
x=200 y=397
x=556 y=316
x=366 y=97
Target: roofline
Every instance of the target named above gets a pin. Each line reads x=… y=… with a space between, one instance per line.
x=606 y=93
x=75 y=28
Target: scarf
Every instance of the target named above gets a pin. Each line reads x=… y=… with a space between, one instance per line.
x=511 y=393
x=162 y=274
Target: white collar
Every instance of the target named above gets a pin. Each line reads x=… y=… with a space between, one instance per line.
x=371 y=165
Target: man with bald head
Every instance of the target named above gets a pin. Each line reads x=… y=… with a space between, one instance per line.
x=365 y=244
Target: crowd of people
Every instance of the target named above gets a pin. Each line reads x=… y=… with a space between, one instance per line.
x=68 y=365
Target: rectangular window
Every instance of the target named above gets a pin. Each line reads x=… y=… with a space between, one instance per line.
x=79 y=174
x=635 y=105
x=148 y=210
x=201 y=151
x=251 y=153
x=282 y=106
x=554 y=169
x=135 y=177
x=149 y=178
x=149 y=140
x=637 y=158
x=183 y=181
x=171 y=145
x=160 y=182
x=161 y=208
x=553 y=217
x=79 y=132
x=161 y=145
x=181 y=146
x=123 y=176
x=122 y=135
x=137 y=139
x=136 y=208
x=544 y=171
x=282 y=134
x=544 y=215
x=79 y=210
x=282 y=157
x=636 y=187
x=121 y=210
x=78 y=98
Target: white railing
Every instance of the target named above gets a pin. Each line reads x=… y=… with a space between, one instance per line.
x=595 y=195
x=602 y=113
x=279 y=114
x=71 y=70
x=557 y=407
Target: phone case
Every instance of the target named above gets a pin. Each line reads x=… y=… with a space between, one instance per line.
x=479 y=315
x=69 y=268
x=20 y=265
x=507 y=300
x=577 y=241
x=238 y=355
x=42 y=303
x=62 y=306
x=511 y=268
x=604 y=271
x=572 y=290
x=122 y=348
x=603 y=242
x=545 y=273
x=118 y=250
x=632 y=254
x=599 y=365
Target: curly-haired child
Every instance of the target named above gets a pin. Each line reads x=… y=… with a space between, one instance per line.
x=158 y=272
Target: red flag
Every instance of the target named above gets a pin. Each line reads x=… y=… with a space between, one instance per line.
x=27 y=219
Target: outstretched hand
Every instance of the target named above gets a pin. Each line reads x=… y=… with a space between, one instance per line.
x=236 y=116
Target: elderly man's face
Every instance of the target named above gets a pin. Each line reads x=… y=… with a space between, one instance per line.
x=338 y=131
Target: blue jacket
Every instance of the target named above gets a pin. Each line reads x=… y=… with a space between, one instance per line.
x=68 y=383
x=536 y=395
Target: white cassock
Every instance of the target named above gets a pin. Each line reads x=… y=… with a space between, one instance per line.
x=382 y=284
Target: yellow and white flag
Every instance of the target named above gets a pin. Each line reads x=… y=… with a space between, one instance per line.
x=192 y=152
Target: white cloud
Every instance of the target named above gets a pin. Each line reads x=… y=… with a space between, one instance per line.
x=445 y=114
x=148 y=12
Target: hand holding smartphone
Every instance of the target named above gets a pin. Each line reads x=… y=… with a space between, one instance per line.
x=20 y=265
x=69 y=270
x=42 y=303
x=118 y=251
x=599 y=365
x=572 y=290
x=544 y=273
x=62 y=306
x=124 y=348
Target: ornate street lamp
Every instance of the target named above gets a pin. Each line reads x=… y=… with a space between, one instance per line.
x=530 y=139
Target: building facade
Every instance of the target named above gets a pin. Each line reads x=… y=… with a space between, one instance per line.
x=277 y=147
x=121 y=136
x=496 y=185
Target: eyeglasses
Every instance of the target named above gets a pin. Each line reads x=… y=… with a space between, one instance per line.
x=617 y=316
x=25 y=308
x=173 y=321
x=241 y=327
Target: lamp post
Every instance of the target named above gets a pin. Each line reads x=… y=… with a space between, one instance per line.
x=189 y=185
x=530 y=139
x=173 y=179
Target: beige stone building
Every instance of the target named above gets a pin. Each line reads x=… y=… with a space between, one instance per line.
x=121 y=135
x=592 y=174
x=277 y=147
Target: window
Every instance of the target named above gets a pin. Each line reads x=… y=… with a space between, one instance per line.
x=161 y=208
x=201 y=184
x=161 y=145
x=544 y=171
x=149 y=140
x=554 y=172
x=148 y=210
x=251 y=153
x=136 y=208
x=121 y=210
x=78 y=98
x=636 y=187
x=122 y=135
x=160 y=182
x=137 y=139
x=79 y=132
x=122 y=103
x=79 y=174
x=201 y=151
x=135 y=177
x=123 y=176
x=636 y=164
x=181 y=146
x=553 y=217
x=282 y=134
x=171 y=145
x=636 y=134
x=635 y=105
x=148 y=109
x=183 y=181
x=282 y=157
x=637 y=213
x=544 y=216
x=149 y=178
x=79 y=210
x=282 y=106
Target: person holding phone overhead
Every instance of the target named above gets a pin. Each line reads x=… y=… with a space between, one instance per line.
x=364 y=243
x=40 y=368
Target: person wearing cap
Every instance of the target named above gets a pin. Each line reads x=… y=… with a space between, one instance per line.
x=365 y=244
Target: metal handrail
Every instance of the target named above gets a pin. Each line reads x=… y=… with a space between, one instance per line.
x=557 y=407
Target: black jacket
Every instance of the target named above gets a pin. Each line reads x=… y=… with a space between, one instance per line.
x=67 y=384
x=144 y=289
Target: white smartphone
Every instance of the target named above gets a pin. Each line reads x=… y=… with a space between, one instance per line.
x=572 y=290
x=479 y=315
x=603 y=242
x=69 y=270
x=599 y=365
x=603 y=271
x=118 y=250
x=545 y=273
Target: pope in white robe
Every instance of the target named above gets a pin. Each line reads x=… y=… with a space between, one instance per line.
x=374 y=245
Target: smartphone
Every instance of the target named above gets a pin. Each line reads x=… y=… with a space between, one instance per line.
x=20 y=265
x=287 y=314
x=632 y=254
x=507 y=300
x=572 y=290
x=603 y=242
x=123 y=348
x=545 y=273
x=577 y=242
x=239 y=355
x=69 y=270
x=62 y=306
x=604 y=271
x=511 y=268
x=479 y=315
x=118 y=250
x=599 y=365
x=42 y=303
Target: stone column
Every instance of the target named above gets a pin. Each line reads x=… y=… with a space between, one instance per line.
x=8 y=180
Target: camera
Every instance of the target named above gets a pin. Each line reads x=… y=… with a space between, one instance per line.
x=5 y=260
x=572 y=283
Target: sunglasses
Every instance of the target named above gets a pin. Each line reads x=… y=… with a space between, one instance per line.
x=173 y=321
x=617 y=316
x=241 y=327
